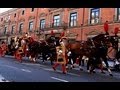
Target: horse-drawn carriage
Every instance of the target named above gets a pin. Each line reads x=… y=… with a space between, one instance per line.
x=96 y=49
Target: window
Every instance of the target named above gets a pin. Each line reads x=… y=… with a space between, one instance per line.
x=118 y=13
x=5 y=30
x=56 y=20
x=73 y=19
x=42 y=24
x=1 y=19
x=94 y=15
x=21 y=28
x=31 y=26
x=13 y=29
x=32 y=10
x=23 y=12
x=15 y=15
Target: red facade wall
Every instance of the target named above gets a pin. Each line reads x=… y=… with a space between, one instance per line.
x=83 y=14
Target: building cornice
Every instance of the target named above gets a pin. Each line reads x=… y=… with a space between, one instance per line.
x=31 y=17
x=9 y=11
x=53 y=10
x=42 y=14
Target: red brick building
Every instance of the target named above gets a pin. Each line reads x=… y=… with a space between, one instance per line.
x=39 y=22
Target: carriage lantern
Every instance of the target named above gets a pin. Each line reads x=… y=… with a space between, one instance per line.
x=106 y=26
x=116 y=30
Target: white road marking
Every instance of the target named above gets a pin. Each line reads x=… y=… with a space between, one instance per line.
x=2 y=79
x=49 y=69
x=10 y=66
x=59 y=79
x=25 y=70
x=60 y=71
x=34 y=64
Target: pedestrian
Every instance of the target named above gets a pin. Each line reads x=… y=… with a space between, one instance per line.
x=70 y=61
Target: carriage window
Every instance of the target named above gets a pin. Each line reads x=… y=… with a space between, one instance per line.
x=56 y=20
x=94 y=15
x=42 y=24
x=13 y=29
x=31 y=26
x=73 y=19
x=5 y=30
x=118 y=13
x=20 y=27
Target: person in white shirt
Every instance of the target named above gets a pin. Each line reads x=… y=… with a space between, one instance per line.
x=70 y=61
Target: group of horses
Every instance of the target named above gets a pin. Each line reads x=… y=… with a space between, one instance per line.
x=95 y=49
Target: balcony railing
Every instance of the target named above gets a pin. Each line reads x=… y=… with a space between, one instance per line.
x=17 y=33
x=30 y=30
x=88 y=22
x=37 y=32
x=61 y=25
x=5 y=34
x=7 y=21
x=74 y=25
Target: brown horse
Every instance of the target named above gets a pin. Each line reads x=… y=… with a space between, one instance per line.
x=95 y=49
x=79 y=49
x=101 y=43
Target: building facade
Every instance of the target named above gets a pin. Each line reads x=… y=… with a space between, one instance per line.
x=79 y=23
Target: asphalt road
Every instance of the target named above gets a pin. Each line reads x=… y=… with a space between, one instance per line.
x=13 y=71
